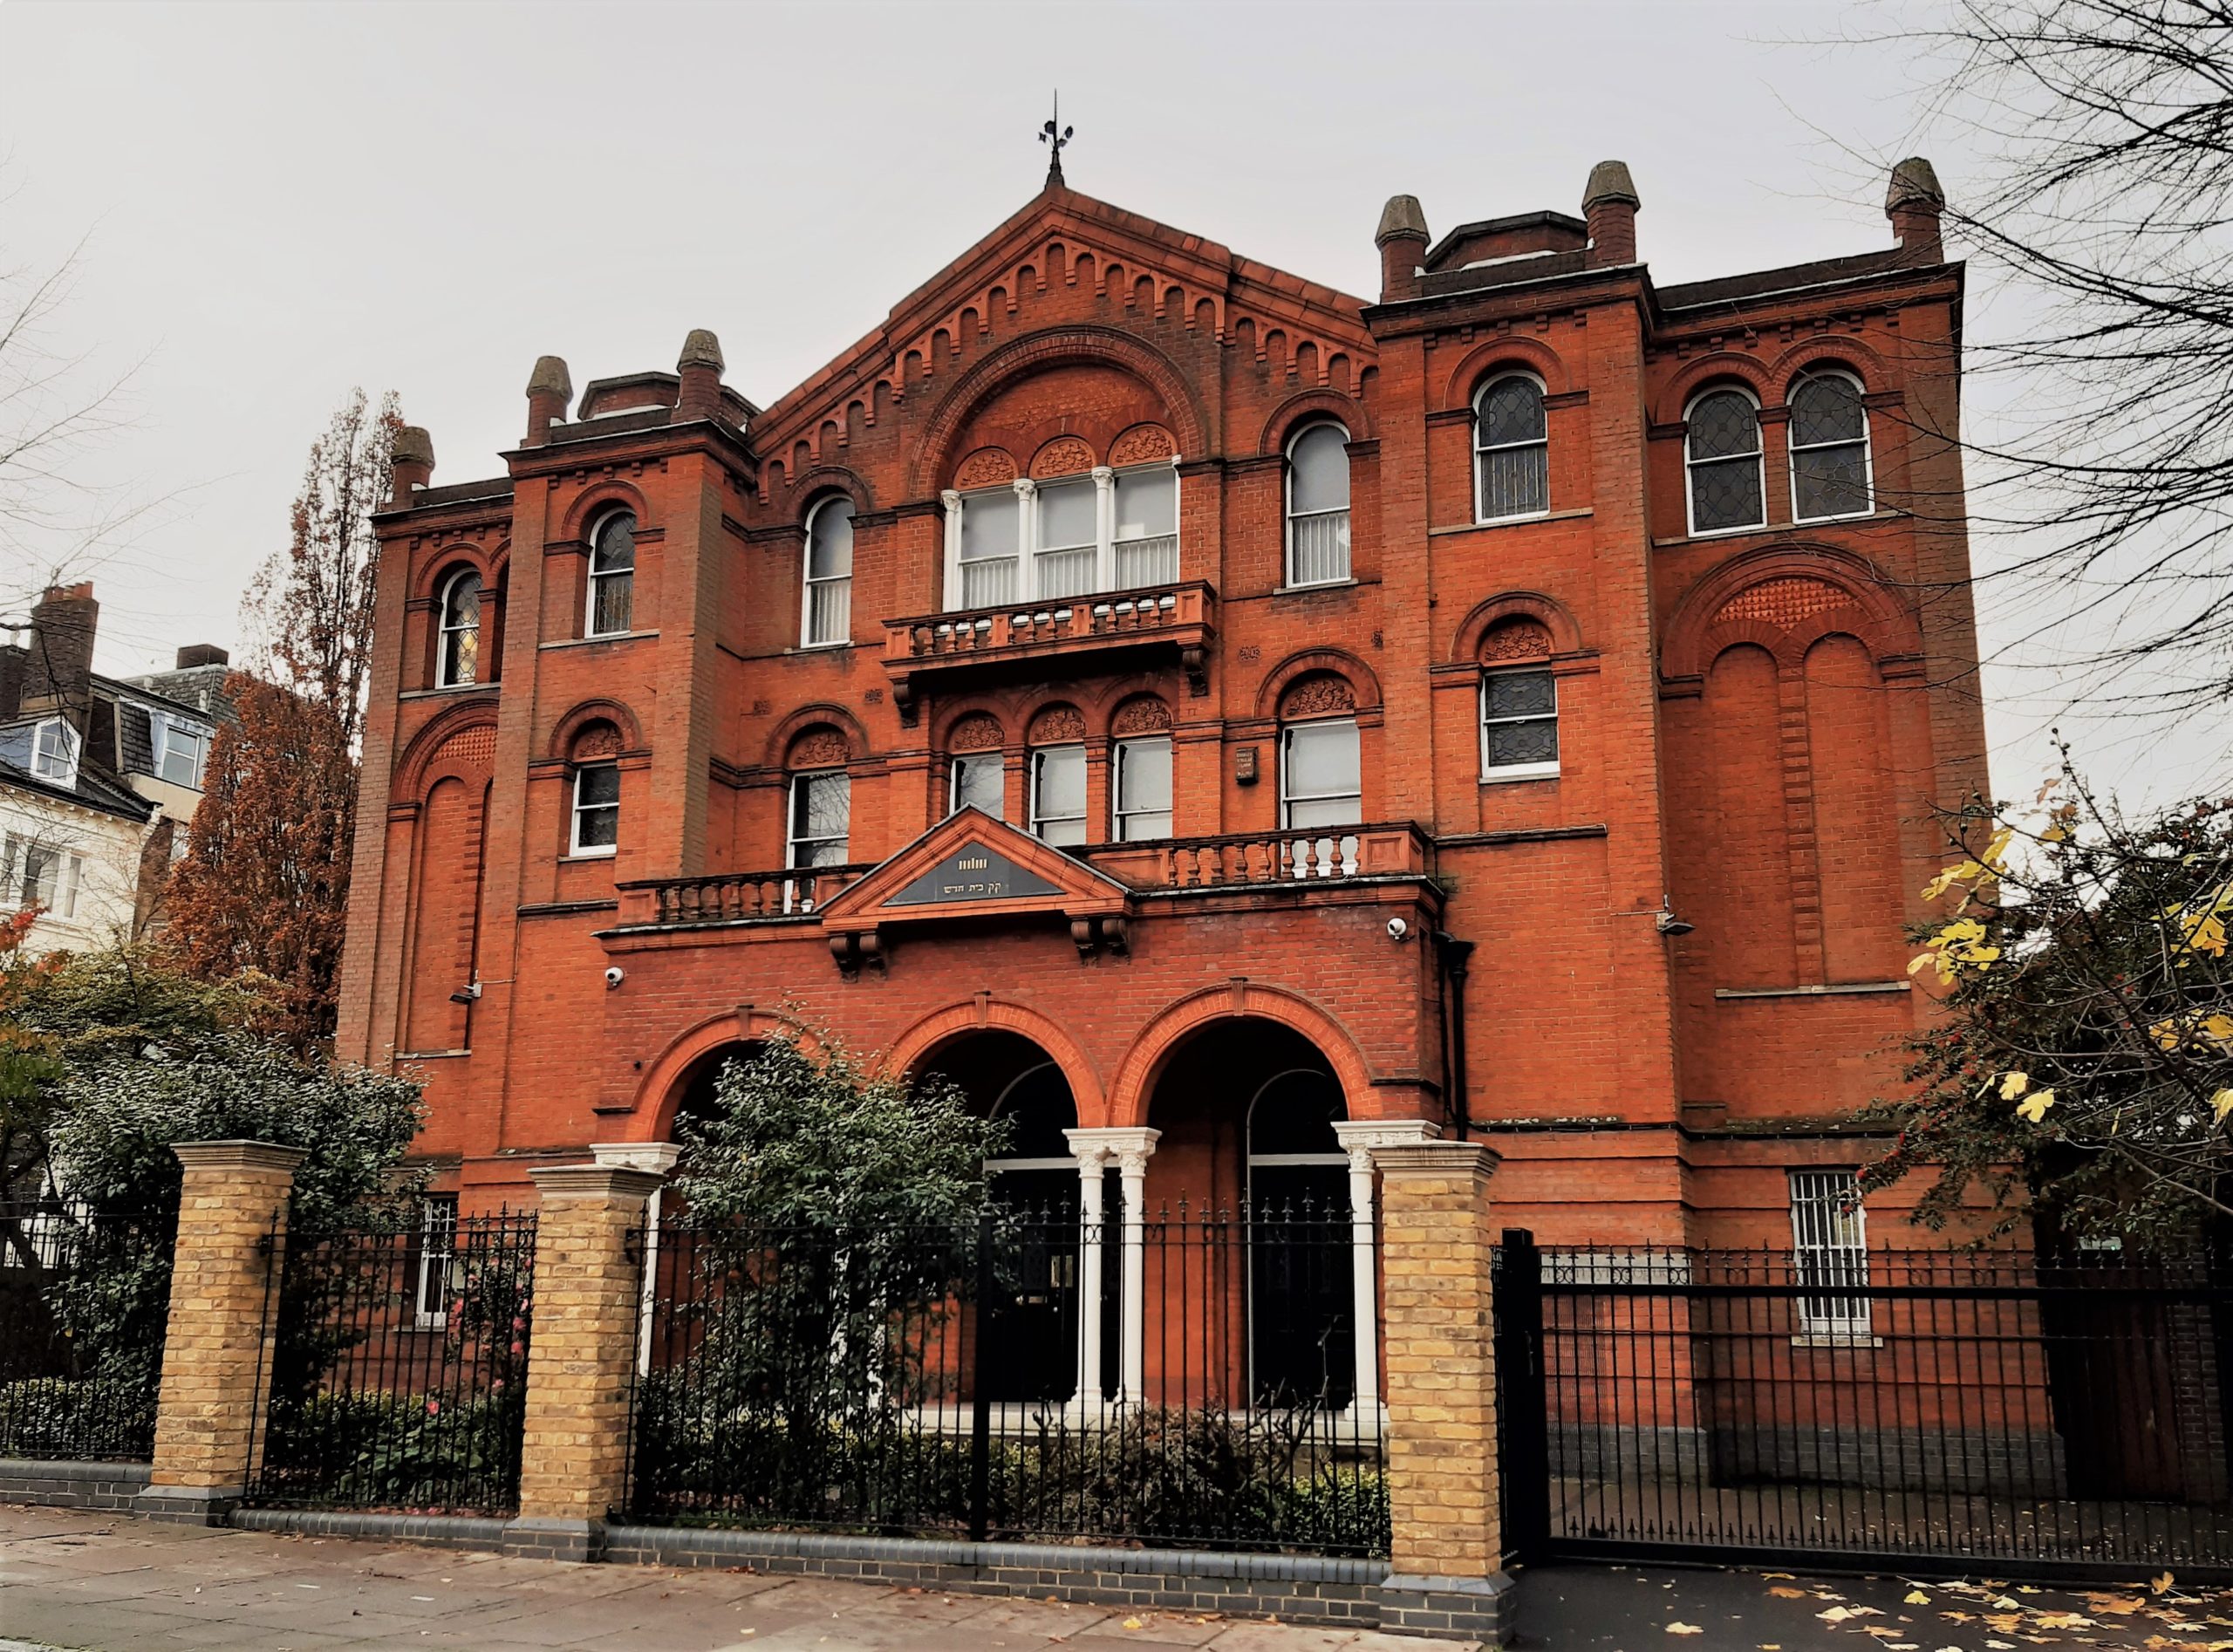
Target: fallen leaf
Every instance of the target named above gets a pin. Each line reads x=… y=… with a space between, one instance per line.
x=1783 y=1594
x=1134 y=1623
x=2119 y=1604
x=1835 y=1614
x=1960 y=1617
x=1902 y=1646
x=2064 y=1621
x=2007 y=1603
x=1684 y=1628
x=2160 y=1585
x=1917 y=1597
x=1999 y=1646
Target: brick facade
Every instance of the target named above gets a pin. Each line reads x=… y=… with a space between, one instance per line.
x=1752 y=725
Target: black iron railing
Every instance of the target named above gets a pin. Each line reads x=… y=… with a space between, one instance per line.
x=85 y=1299
x=1932 y=1408
x=400 y=1367
x=1184 y=1379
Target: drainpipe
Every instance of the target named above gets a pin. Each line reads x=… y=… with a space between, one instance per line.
x=1454 y=956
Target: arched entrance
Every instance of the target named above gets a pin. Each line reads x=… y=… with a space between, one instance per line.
x=695 y=1092
x=1031 y=1327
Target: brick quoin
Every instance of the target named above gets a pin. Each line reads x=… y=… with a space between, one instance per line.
x=1753 y=725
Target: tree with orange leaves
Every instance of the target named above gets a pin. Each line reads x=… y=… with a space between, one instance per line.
x=265 y=883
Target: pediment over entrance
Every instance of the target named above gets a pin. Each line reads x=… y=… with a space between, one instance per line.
x=970 y=866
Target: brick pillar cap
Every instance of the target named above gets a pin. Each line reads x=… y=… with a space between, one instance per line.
x=701 y=349
x=1435 y=1158
x=1609 y=180
x=594 y=1181
x=1402 y=217
x=1915 y=183
x=238 y=1155
x=550 y=379
x=412 y=446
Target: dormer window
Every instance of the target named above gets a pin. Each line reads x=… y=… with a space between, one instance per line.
x=54 y=751
x=459 y=661
x=612 y=575
x=182 y=751
x=827 y=615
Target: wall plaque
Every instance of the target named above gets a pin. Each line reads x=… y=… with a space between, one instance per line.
x=972 y=872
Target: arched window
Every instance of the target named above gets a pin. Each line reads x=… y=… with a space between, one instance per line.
x=612 y=575
x=820 y=806
x=1321 y=778
x=827 y=612
x=459 y=661
x=1721 y=450
x=1512 y=451
x=1829 y=448
x=977 y=772
x=1058 y=777
x=1318 y=505
x=596 y=828
x=1302 y=1278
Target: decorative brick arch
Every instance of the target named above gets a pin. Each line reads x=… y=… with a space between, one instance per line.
x=1238 y=999
x=1057 y=347
x=608 y=494
x=825 y=480
x=1844 y=351
x=659 y=1092
x=1362 y=684
x=1493 y=357
x=449 y=562
x=1547 y=612
x=919 y=1042
x=1310 y=406
x=596 y=711
x=1785 y=599
x=1142 y=714
x=806 y=717
x=1726 y=367
x=461 y=741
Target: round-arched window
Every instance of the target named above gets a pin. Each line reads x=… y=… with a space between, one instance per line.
x=612 y=575
x=827 y=611
x=1829 y=448
x=1721 y=450
x=1318 y=505
x=458 y=657
x=1511 y=463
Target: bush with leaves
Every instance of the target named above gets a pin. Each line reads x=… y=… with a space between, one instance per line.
x=2082 y=1074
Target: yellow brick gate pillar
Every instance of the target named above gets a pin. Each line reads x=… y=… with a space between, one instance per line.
x=209 y=1412
x=581 y=1356
x=1446 y=1573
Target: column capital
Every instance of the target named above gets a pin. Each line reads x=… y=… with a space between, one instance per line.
x=1025 y=488
x=1103 y=476
x=659 y=1157
x=950 y=498
x=237 y=1155
x=594 y=1181
x=1131 y=1146
x=1363 y=1139
x=1435 y=1161
x=1087 y=1147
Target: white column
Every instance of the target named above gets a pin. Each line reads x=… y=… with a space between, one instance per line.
x=1358 y=1138
x=1104 y=527
x=1093 y=1161
x=1131 y=1148
x=952 y=501
x=643 y=1156
x=1026 y=541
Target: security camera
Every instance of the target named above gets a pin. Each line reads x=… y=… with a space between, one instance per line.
x=1397 y=928
x=1671 y=924
x=614 y=975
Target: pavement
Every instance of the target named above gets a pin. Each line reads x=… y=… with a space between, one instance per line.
x=109 y=1583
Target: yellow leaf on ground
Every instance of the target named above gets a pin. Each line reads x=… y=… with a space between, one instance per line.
x=1684 y=1628
x=1134 y=1623
x=2160 y=1584
x=2064 y=1621
x=1917 y=1597
x=1835 y=1614
x=1783 y=1594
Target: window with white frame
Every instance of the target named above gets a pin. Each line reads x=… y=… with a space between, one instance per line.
x=1321 y=775
x=597 y=810
x=1721 y=455
x=1318 y=505
x=1829 y=448
x=1058 y=794
x=1829 y=1248
x=979 y=781
x=1519 y=724
x=827 y=609
x=821 y=818
x=33 y=874
x=54 y=751
x=1512 y=453
x=458 y=660
x=182 y=751
x=438 y=1273
x=1142 y=789
x=1035 y=541
x=612 y=575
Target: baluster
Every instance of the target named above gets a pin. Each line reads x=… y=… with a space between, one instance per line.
x=1349 y=856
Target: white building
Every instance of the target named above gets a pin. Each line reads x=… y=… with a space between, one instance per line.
x=98 y=777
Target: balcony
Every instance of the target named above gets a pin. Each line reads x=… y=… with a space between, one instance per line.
x=1179 y=617
x=1269 y=861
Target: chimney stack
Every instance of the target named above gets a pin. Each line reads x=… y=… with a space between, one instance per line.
x=1402 y=239
x=550 y=392
x=1609 y=203
x=202 y=654
x=412 y=464
x=701 y=366
x=59 y=666
x=1913 y=204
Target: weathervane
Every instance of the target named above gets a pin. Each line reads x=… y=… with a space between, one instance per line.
x=1057 y=137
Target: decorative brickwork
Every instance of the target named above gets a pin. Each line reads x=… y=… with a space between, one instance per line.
x=1141 y=445
x=573 y=1454
x=231 y=1236
x=819 y=749
x=1064 y=456
x=1783 y=602
x=1056 y=725
x=975 y=732
x=597 y=741
x=987 y=468
x=1516 y=640
x=1319 y=694
x=1146 y=715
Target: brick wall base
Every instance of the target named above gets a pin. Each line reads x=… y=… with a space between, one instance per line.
x=1352 y=1594
x=72 y=1486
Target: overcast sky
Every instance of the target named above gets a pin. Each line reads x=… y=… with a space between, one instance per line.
x=280 y=201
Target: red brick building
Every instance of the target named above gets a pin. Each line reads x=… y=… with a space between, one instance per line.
x=1511 y=706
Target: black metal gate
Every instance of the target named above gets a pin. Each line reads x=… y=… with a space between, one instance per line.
x=1917 y=1411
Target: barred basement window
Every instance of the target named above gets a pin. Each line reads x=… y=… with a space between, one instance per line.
x=1511 y=453
x=1520 y=725
x=822 y=812
x=1829 y=1248
x=1829 y=448
x=458 y=664
x=612 y=575
x=827 y=615
x=1721 y=452
x=1318 y=505
x=597 y=810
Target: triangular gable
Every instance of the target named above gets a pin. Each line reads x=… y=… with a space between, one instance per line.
x=970 y=865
